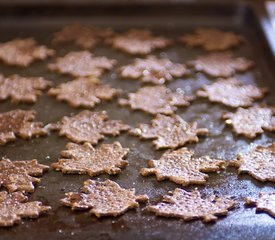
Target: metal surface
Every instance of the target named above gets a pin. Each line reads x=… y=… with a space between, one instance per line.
x=172 y=20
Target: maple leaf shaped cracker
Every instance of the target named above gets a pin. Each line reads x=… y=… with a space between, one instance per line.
x=22 y=52
x=153 y=70
x=212 y=39
x=251 y=121
x=89 y=126
x=180 y=166
x=191 y=206
x=264 y=203
x=157 y=99
x=15 y=206
x=20 y=175
x=83 y=36
x=220 y=64
x=138 y=41
x=82 y=64
x=258 y=162
x=169 y=131
x=22 y=89
x=231 y=92
x=84 y=92
x=103 y=198
x=84 y=159
x=19 y=123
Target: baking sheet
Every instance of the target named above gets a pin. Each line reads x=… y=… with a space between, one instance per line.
x=171 y=20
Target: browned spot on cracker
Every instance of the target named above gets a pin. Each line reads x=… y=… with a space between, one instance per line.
x=153 y=70
x=84 y=159
x=157 y=99
x=90 y=127
x=19 y=123
x=138 y=41
x=221 y=64
x=84 y=92
x=212 y=39
x=15 y=206
x=22 y=89
x=232 y=92
x=169 y=131
x=258 y=162
x=103 y=198
x=20 y=175
x=180 y=166
x=82 y=64
x=191 y=206
x=83 y=36
x=251 y=121
x=264 y=203
x=22 y=52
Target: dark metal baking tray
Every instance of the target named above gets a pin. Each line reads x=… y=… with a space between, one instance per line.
x=171 y=20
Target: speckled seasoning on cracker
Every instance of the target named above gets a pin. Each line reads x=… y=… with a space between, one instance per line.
x=251 y=121
x=169 y=131
x=88 y=126
x=180 y=166
x=85 y=159
x=103 y=199
x=82 y=64
x=191 y=206
x=157 y=99
x=258 y=162
x=211 y=39
x=221 y=64
x=22 y=89
x=20 y=175
x=15 y=206
x=232 y=92
x=138 y=41
x=153 y=70
x=83 y=36
x=23 y=51
x=20 y=123
x=265 y=202
x=84 y=92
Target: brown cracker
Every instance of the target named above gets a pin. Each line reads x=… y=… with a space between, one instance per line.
x=157 y=99
x=83 y=36
x=84 y=159
x=103 y=198
x=180 y=166
x=231 y=92
x=89 y=126
x=258 y=162
x=20 y=123
x=84 y=92
x=22 y=52
x=20 y=175
x=15 y=206
x=264 y=203
x=169 y=131
x=138 y=41
x=251 y=121
x=82 y=64
x=191 y=206
x=220 y=64
x=212 y=39
x=22 y=89
x=153 y=70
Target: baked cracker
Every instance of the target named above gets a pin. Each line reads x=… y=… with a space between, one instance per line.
x=157 y=99
x=84 y=159
x=103 y=198
x=169 y=131
x=180 y=166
